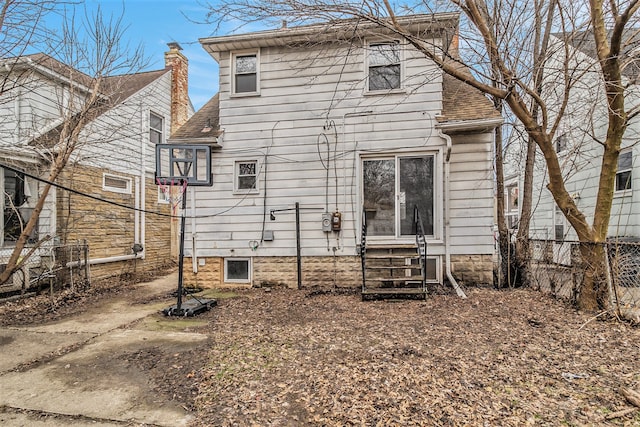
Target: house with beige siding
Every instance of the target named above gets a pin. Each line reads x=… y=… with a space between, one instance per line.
x=106 y=196
x=325 y=149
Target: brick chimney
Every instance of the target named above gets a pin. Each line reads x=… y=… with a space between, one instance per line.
x=179 y=65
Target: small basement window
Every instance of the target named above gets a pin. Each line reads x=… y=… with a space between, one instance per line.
x=116 y=184
x=237 y=270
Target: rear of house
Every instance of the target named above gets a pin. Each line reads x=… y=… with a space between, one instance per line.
x=315 y=133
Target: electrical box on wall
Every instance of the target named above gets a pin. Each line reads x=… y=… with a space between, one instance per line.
x=326 y=222
x=336 y=221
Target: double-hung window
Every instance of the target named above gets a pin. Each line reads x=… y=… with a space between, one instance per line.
x=623 y=176
x=156 y=128
x=245 y=73
x=246 y=176
x=384 y=66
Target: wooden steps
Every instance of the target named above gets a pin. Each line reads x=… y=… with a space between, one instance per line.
x=392 y=271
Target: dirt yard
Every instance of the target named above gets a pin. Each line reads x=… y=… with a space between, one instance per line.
x=499 y=358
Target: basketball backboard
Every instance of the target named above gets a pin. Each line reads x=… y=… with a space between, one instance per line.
x=178 y=162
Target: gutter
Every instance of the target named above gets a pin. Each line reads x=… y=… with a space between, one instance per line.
x=461 y=126
x=447 y=217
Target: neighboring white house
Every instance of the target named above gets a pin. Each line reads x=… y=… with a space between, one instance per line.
x=115 y=160
x=584 y=123
x=339 y=125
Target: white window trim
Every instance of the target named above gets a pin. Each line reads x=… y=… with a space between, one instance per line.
x=626 y=191
x=126 y=190
x=232 y=68
x=249 y=270
x=236 y=189
x=162 y=130
x=438 y=190
x=162 y=199
x=401 y=54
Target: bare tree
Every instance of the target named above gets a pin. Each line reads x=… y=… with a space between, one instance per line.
x=88 y=52
x=508 y=41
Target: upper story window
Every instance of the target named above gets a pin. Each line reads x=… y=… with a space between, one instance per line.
x=156 y=127
x=245 y=73
x=384 y=66
x=246 y=176
x=623 y=176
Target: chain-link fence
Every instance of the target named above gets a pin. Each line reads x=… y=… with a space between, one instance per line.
x=556 y=268
x=48 y=269
x=624 y=262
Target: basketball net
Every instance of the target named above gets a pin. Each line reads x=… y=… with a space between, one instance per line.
x=173 y=191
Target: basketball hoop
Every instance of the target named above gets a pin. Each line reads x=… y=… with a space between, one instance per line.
x=178 y=166
x=173 y=191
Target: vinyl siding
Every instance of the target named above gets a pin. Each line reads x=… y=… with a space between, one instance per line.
x=309 y=97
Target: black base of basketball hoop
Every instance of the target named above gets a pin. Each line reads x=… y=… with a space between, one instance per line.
x=190 y=307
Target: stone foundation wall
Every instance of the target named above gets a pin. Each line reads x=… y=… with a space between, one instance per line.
x=281 y=271
x=321 y=272
x=472 y=270
x=210 y=275
x=107 y=228
x=343 y=271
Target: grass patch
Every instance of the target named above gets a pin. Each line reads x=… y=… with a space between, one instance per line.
x=160 y=322
x=217 y=294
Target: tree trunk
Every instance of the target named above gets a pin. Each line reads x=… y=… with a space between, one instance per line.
x=503 y=232
x=522 y=251
x=593 y=294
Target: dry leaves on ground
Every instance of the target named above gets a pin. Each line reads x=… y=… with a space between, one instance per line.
x=508 y=358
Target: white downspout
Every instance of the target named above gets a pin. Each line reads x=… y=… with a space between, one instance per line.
x=447 y=217
x=136 y=212
x=18 y=113
x=143 y=179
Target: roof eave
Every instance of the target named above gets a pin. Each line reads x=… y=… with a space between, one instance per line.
x=317 y=34
x=205 y=140
x=465 y=126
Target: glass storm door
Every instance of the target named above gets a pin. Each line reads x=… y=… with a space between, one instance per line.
x=391 y=188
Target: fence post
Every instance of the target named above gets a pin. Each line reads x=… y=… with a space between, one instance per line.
x=87 y=269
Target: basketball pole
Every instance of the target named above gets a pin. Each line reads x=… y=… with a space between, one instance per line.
x=179 y=162
x=181 y=252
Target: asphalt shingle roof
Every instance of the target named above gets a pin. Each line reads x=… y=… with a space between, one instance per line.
x=205 y=123
x=461 y=101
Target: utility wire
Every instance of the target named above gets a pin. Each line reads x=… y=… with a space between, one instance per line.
x=71 y=190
